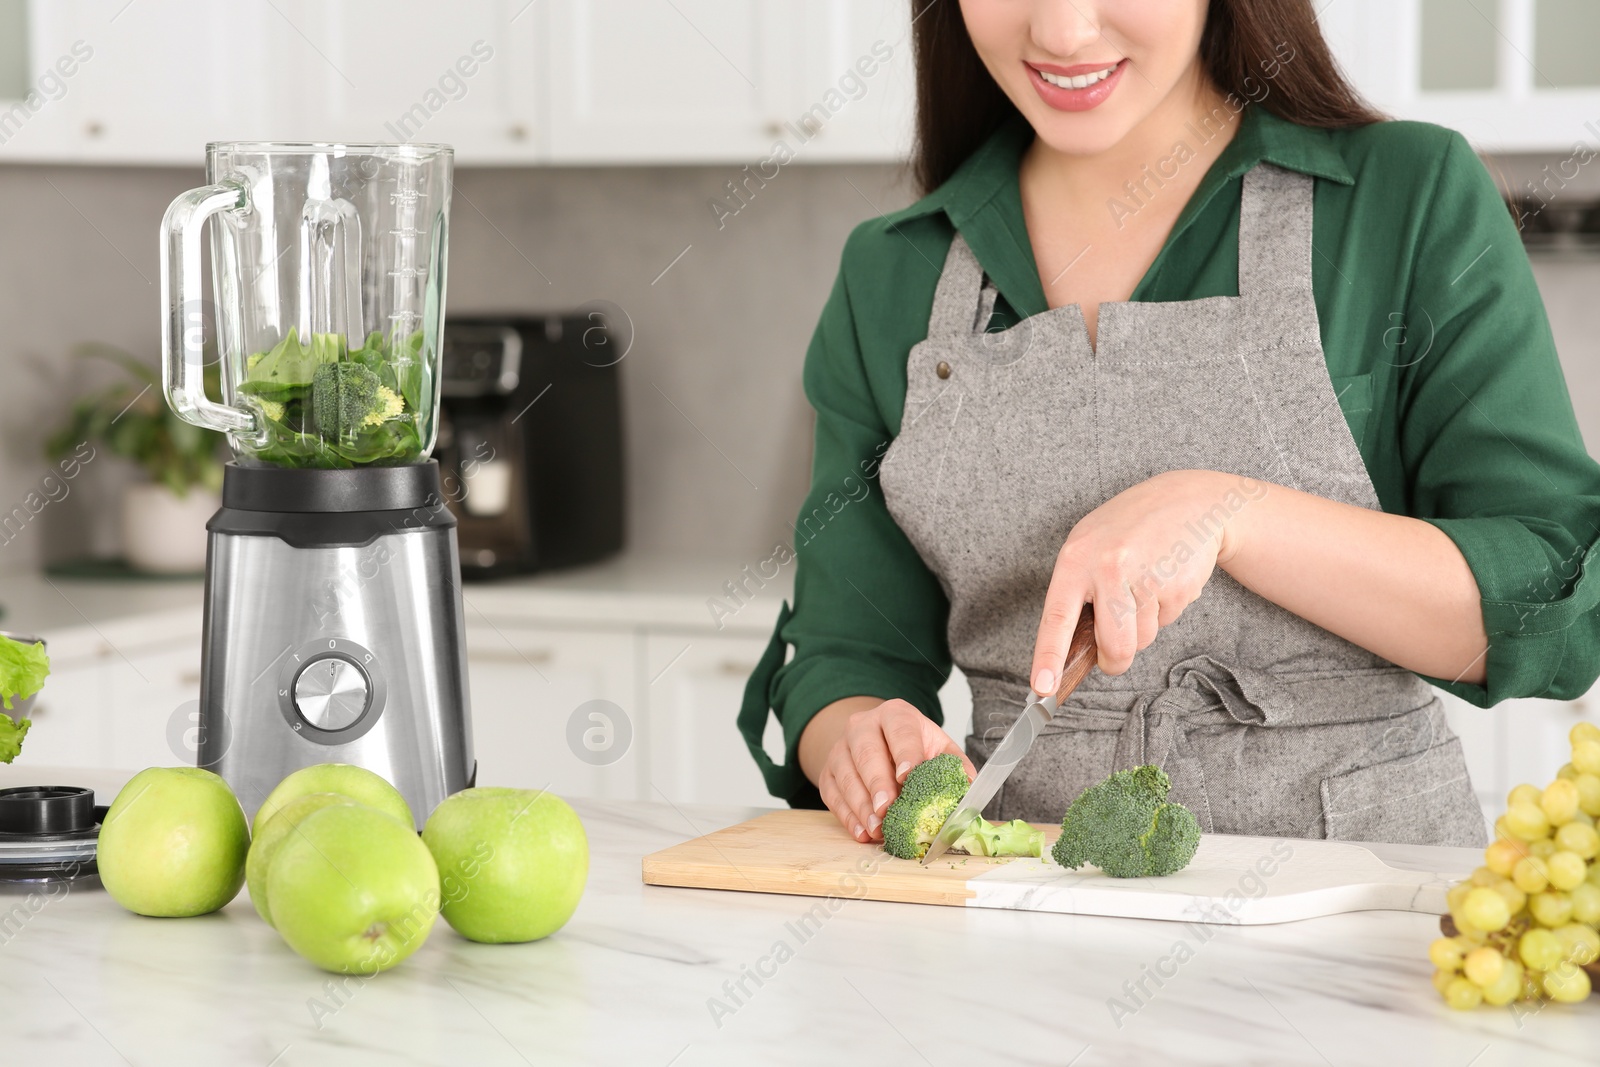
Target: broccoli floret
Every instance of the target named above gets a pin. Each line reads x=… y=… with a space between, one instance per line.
x=1127 y=827
x=930 y=793
x=347 y=398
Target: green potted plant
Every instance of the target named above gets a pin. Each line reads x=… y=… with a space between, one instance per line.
x=163 y=518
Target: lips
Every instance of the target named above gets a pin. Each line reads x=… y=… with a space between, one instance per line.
x=1075 y=88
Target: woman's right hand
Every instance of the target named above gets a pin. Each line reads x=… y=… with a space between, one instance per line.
x=858 y=750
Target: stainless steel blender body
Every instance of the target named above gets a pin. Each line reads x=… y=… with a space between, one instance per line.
x=335 y=653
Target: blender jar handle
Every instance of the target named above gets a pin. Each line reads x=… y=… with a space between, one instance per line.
x=182 y=328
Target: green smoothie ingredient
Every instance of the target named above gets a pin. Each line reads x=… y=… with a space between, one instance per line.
x=327 y=405
x=23 y=669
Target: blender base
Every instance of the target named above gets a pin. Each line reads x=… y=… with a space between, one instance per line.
x=334 y=633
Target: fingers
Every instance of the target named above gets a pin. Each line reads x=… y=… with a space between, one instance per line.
x=1148 y=622
x=1116 y=620
x=1062 y=603
x=903 y=731
x=869 y=754
x=846 y=797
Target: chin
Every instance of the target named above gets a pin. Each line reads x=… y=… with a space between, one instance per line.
x=1082 y=133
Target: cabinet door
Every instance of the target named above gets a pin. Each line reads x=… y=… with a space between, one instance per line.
x=857 y=83
x=695 y=684
x=554 y=709
x=155 y=705
x=660 y=81
x=1512 y=75
x=462 y=73
x=70 y=716
x=149 y=82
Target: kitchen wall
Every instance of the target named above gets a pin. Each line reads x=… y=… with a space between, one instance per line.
x=718 y=429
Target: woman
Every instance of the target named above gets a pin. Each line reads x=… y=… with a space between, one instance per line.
x=1182 y=330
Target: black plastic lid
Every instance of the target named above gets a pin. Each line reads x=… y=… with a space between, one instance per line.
x=46 y=809
x=288 y=489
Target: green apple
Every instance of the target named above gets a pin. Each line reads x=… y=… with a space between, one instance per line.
x=353 y=890
x=265 y=844
x=357 y=783
x=173 y=843
x=512 y=862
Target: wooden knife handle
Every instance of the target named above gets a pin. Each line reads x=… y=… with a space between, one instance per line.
x=1081 y=655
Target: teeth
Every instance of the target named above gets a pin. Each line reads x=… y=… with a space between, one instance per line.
x=1077 y=81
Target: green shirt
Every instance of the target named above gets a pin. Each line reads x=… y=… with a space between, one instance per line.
x=1434 y=335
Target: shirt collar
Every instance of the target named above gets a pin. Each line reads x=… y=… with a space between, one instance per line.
x=982 y=199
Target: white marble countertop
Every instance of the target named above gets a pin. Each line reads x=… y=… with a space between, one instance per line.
x=635 y=978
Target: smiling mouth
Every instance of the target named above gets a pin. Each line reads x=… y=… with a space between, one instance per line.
x=1077 y=81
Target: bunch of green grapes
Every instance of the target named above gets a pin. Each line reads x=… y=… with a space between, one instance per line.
x=1527 y=920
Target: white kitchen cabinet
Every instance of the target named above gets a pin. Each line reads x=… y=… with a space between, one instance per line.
x=70 y=717
x=119 y=704
x=668 y=80
x=503 y=81
x=527 y=683
x=463 y=74
x=148 y=82
x=694 y=684
x=855 y=62
x=1512 y=75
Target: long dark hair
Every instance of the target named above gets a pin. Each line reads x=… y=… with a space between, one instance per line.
x=959 y=104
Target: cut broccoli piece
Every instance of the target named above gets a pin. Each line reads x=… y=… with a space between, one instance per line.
x=1126 y=827
x=347 y=398
x=1014 y=838
x=931 y=792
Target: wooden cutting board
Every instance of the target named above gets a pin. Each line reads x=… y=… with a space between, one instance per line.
x=1234 y=880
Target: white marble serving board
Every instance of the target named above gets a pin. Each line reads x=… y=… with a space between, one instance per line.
x=1233 y=880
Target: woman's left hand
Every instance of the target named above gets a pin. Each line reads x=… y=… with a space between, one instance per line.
x=1140 y=558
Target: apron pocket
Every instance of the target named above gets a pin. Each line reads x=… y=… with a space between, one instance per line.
x=1421 y=799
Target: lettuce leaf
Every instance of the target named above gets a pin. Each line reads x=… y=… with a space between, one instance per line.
x=23 y=669
x=11 y=735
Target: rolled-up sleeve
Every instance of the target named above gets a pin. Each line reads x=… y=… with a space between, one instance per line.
x=868 y=616
x=1491 y=447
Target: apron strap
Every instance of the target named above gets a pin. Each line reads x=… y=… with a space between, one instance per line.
x=1275 y=212
x=960 y=290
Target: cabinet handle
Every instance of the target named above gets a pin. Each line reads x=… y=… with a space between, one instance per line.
x=735 y=669
x=189 y=678
x=537 y=657
x=517 y=132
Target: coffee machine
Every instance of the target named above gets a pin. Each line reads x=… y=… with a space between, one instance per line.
x=333 y=624
x=530 y=438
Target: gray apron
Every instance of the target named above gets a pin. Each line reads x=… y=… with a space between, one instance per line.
x=1266 y=723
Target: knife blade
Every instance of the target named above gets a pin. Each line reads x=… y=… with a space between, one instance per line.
x=1018 y=739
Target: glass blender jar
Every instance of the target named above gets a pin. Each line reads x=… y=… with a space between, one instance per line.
x=328 y=271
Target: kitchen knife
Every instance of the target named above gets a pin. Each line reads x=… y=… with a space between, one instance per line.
x=1018 y=739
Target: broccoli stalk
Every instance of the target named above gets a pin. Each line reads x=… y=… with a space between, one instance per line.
x=931 y=792
x=1126 y=827
x=347 y=398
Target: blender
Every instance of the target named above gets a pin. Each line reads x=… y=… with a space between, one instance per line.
x=333 y=627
